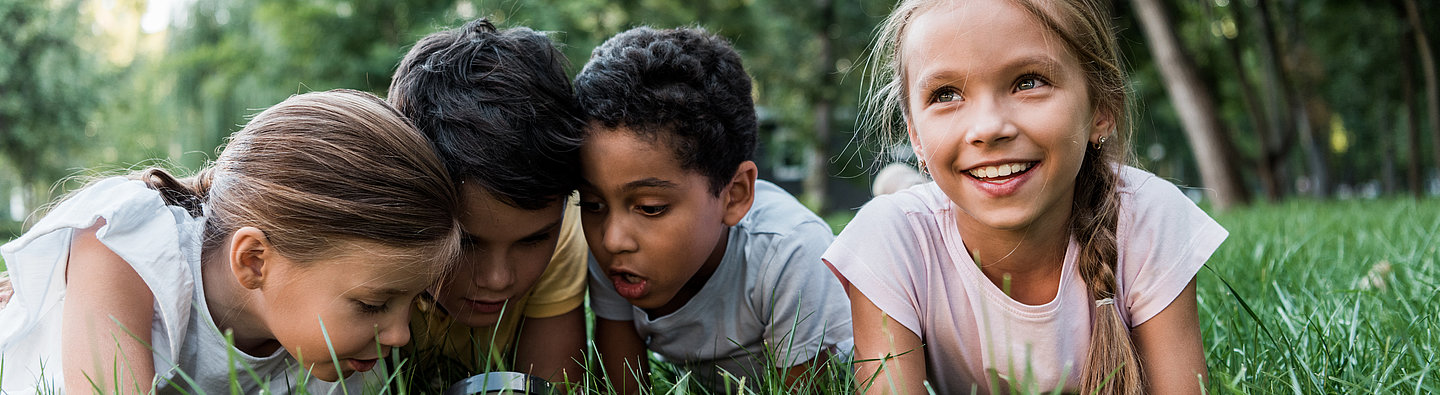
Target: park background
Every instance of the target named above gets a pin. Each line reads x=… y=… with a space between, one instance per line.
x=1309 y=128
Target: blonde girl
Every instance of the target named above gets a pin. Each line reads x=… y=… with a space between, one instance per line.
x=1036 y=260
x=297 y=252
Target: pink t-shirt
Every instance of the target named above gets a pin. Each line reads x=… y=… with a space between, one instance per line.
x=905 y=253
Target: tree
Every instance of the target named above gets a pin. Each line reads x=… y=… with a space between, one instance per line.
x=1195 y=104
x=45 y=78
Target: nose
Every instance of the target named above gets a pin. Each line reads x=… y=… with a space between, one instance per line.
x=492 y=272
x=616 y=237
x=987 y=122
x=395 y=332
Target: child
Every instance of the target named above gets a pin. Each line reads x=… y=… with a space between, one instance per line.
x=1036 y=257
x=309 y=236
x=499 y=109
x=694 y=258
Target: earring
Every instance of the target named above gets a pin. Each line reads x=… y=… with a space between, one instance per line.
x=923 y=169
x=1101 y=142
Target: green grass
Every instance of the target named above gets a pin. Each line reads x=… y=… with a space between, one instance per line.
x=1312 y=309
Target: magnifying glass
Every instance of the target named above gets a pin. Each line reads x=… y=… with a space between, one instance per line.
x=501 y=383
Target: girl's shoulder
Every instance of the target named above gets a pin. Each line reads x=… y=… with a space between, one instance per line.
x=126 y=205
x=919 y=200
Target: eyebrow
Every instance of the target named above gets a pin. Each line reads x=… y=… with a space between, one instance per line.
x=384 y=291
x=545 y=230
x=651 y=182
x=1044 y=64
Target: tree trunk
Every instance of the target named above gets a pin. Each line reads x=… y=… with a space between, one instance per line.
x=1263 y=130
x=1412 y=117
x=1195 y=105
x=816 y=183
x=1427 y=67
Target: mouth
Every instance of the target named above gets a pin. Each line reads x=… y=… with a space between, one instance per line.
x=629 y=285
x=362 y=365
x=485 y=306
x=999 y=174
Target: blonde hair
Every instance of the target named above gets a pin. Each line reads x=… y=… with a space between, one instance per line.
x=321 y=169
x=1084 y=26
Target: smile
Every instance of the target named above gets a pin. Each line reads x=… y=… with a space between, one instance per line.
x=999 y=173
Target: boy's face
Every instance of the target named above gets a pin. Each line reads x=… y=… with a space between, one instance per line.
x=650 y=224
x=506 y=249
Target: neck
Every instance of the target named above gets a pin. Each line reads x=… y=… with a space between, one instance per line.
x=232 y=307
x=1026 y=262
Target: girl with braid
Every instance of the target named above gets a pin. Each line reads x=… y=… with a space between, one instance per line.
x=1037 y=259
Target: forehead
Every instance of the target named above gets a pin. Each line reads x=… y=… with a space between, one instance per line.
x=488 y=217
x=976 y=36
x=620 y=158
x=371 y=265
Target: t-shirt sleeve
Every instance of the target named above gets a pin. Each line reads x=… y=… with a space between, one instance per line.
x=806 y=307
x=604 y=300
x=878 y=253
x=1164 y=239
x=561 y=288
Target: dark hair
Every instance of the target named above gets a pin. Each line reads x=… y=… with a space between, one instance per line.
x=499 y=109
x=684 y=86
x=324 y=168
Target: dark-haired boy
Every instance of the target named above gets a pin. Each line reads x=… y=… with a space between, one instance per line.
x=695 y=259
x=499 y=109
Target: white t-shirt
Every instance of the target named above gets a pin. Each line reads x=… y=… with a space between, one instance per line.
x=162 y=244
x=905 y=253
x=771 y=291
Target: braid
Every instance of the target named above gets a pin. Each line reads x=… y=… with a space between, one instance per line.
x=1093 y=222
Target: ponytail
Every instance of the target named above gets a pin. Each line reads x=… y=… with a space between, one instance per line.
x=189 y=193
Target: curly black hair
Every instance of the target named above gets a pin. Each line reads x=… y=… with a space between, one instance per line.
x=499 y=109
x=685 y=87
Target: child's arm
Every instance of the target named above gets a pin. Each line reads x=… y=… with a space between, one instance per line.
x=1172 y=353
x=622 y=353
x=107 y=315
x=888 y=357
x=551 y=347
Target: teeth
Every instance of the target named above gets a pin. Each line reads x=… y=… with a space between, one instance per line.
x=999 y=171
x=630 y=278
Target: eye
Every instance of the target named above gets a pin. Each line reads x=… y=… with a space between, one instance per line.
x=945 y=95
x=370 y=309
x=590 y=207
x=652 y=210
x=536 y=239
x=1028 y=82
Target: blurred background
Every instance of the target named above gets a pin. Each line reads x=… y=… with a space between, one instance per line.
x=1243 y=101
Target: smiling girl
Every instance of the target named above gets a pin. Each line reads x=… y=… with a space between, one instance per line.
x=298 y=251
x=1036 y=260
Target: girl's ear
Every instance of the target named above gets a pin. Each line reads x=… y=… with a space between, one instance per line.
x=739 y=194
x=1103 y=127
x=915 y=141
x=250 y=251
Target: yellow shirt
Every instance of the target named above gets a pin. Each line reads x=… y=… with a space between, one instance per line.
x=560 y=289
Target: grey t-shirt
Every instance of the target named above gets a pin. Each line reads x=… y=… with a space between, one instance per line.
x=771 y=297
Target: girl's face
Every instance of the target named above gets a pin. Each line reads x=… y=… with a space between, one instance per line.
x=998 y=110
x=363 y=298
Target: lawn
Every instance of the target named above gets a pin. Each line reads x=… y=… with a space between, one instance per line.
x=1335 y=297
x=1304 y=297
